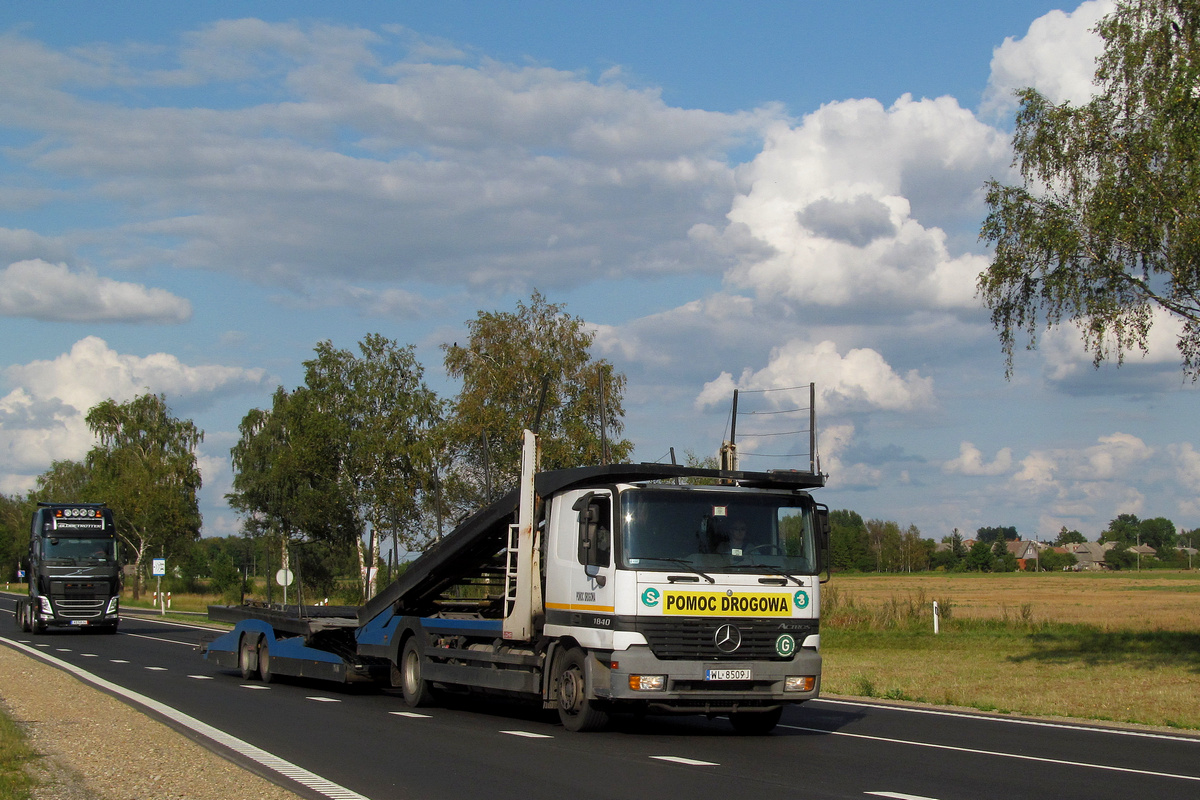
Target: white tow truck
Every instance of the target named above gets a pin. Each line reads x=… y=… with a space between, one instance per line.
x=593 y=591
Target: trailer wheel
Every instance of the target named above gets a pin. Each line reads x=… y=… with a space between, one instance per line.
x=755 y=723
x=575 y=710
x=248 y=657
x=418 y=692
x=264 y=661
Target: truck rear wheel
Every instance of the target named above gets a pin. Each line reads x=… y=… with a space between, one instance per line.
x=418 y=692
x=755 y=723
x=248 y=658
x=576 y=711
x=264 y=661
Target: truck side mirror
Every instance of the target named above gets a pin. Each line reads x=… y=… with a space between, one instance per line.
x=595 y=539
x=824 y=532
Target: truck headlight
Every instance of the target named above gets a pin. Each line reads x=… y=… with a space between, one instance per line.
x=113 y=604
x=647 y=683
x=45 y=603
x=799 y=683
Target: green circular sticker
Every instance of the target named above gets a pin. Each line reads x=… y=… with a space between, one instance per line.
x=801 y=599
x=785 y=645
x=650 y=597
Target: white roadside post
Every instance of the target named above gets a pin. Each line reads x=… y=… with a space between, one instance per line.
x=159 y=568
x=936 y=618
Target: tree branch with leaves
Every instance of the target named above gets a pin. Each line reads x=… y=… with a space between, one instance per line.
x=1105 y=228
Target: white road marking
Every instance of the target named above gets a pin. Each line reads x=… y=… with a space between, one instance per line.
x=899 y=796
x=157 y=669
x=1006 y=721
x=410 y=714
x=528 y=734
x=691 y=762
x=160 y=639
x=201 y=677
x=998 y=754
x=118 y=661
x=310 y=780
x=325 y=699
x=254 y=686
x=63 y=649
x=89 y=655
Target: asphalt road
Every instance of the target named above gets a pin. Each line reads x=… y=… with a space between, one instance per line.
x=350 y=743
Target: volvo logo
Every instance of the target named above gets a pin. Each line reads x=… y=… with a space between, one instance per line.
x=727 y=638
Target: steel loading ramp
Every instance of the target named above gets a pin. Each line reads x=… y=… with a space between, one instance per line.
x=485 y=533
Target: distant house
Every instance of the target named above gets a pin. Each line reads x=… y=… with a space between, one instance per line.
x=1089 y=555
x=1026 y=553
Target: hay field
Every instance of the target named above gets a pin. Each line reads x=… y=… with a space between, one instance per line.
x=1121 y=647
x=1146 y=601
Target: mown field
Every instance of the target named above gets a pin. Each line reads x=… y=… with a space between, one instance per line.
x=1119 y=646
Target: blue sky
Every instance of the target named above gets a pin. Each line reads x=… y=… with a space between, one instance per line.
x=752 y=197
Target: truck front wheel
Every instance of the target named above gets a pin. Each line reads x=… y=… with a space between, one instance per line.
x=575 y=709
x=418 y=692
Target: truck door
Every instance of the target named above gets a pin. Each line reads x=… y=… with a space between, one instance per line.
x=592 y=582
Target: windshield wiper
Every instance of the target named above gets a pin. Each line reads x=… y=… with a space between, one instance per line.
x=773 y=571
x=683 y=562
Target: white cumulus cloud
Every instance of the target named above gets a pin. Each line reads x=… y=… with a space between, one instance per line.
x=858 y=381
x=42 y=417
x=52 y=292
x=851 y=207
x=1057 y=56
x=970 y=461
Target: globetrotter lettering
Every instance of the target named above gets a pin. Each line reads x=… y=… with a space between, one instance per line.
x=716 y=604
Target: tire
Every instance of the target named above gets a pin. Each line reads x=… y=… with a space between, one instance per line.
x=264 y=661
x=248 y=658
x=755 y=723
x=418 y=692
x=576 y=711
x=24 y=612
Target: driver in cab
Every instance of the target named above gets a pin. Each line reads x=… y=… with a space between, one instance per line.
x=736 y=544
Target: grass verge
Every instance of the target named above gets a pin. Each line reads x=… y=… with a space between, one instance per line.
x=15 y=755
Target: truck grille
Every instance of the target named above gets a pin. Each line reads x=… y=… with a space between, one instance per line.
x=692 y=638
x=79 y=599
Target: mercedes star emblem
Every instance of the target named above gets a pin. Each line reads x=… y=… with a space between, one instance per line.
x=727 y=638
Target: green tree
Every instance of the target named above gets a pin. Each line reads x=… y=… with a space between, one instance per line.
x=14 y=534
x=849 y=547
x=1053 y=561
x=1121 y=557
x=1066 y=537
x=67 y=482
x=381 y=413
x=1106 y=226
x=886 y=545
x=503 y=367
x=286 y=472
x=979 y=557
x=144 y=465
x=1159 y=533
x=996 y=533
x=1122 y=530
x=953 y=555
x=1003 y=560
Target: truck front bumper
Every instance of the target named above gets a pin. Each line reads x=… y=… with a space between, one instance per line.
x=711 y=687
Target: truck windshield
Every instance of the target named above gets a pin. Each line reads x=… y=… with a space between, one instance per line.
x=716 y=531
x=77 y=548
